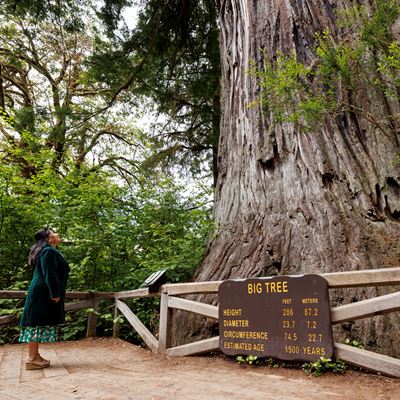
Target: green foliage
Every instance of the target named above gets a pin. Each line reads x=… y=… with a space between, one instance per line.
x=250 y=359
x=48 y=98
x=334 y=62
x=71 y=12
x=286 y=93
x=71 y=157
x=85 y=63
x=365 y=57
x=311 y=368
x=389 y=68
x=114 y=236
x=375 y=31
x=170 y=63
x=13 y=307
x=75 y=325
x=9 y=334
x=354 y=343
x=254 y=360
x=323 y=365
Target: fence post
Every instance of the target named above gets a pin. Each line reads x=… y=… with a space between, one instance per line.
x=116 y=324
x=92 y=316
x=164 y=340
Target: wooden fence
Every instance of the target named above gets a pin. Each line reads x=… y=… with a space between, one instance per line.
x=88 y=300
x=170 y=300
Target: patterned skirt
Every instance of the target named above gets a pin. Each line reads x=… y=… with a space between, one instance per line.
x=42 y=334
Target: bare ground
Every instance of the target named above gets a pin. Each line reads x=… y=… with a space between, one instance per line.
x=111 y=369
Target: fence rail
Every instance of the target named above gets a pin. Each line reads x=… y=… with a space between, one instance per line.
x=89 y=300
x=169 y=302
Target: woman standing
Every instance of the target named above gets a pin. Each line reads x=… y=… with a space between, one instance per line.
x=44 y=305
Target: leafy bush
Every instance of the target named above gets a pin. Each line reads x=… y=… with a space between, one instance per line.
x=114 y=236
x=324 y=364
x=354 y=343
x=250 y=359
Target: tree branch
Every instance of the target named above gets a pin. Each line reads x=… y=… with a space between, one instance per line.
x=111 y=161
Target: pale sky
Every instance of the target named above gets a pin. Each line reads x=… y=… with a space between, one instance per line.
x=130 y=16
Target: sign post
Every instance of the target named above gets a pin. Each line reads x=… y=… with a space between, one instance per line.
x=283 y=317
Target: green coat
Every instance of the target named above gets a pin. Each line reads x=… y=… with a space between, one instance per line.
x=49 y=280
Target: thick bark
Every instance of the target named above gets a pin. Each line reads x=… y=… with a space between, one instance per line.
x=294 y=203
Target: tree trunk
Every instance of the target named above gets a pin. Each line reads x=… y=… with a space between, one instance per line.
x=294 y=203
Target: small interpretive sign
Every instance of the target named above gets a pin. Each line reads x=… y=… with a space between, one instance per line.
x=283 y=317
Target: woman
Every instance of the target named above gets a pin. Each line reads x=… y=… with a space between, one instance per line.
x=44 y=305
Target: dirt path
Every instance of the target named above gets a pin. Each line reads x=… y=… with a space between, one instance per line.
x=111 y=369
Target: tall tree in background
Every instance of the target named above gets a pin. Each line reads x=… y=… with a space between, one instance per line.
x=294 y=202
x=170 y=62
x=167 y=66
x=49 y=100
x=182 y=76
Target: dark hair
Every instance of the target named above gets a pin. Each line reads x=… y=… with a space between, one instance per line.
x=41 y=238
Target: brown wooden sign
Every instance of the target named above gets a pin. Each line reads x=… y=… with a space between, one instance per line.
x=283 y=317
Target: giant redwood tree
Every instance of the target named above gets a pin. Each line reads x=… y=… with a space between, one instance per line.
x=308 y=158
x=308 y=172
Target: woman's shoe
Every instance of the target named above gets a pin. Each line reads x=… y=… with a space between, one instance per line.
x=37 y=362
x=43 y=359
